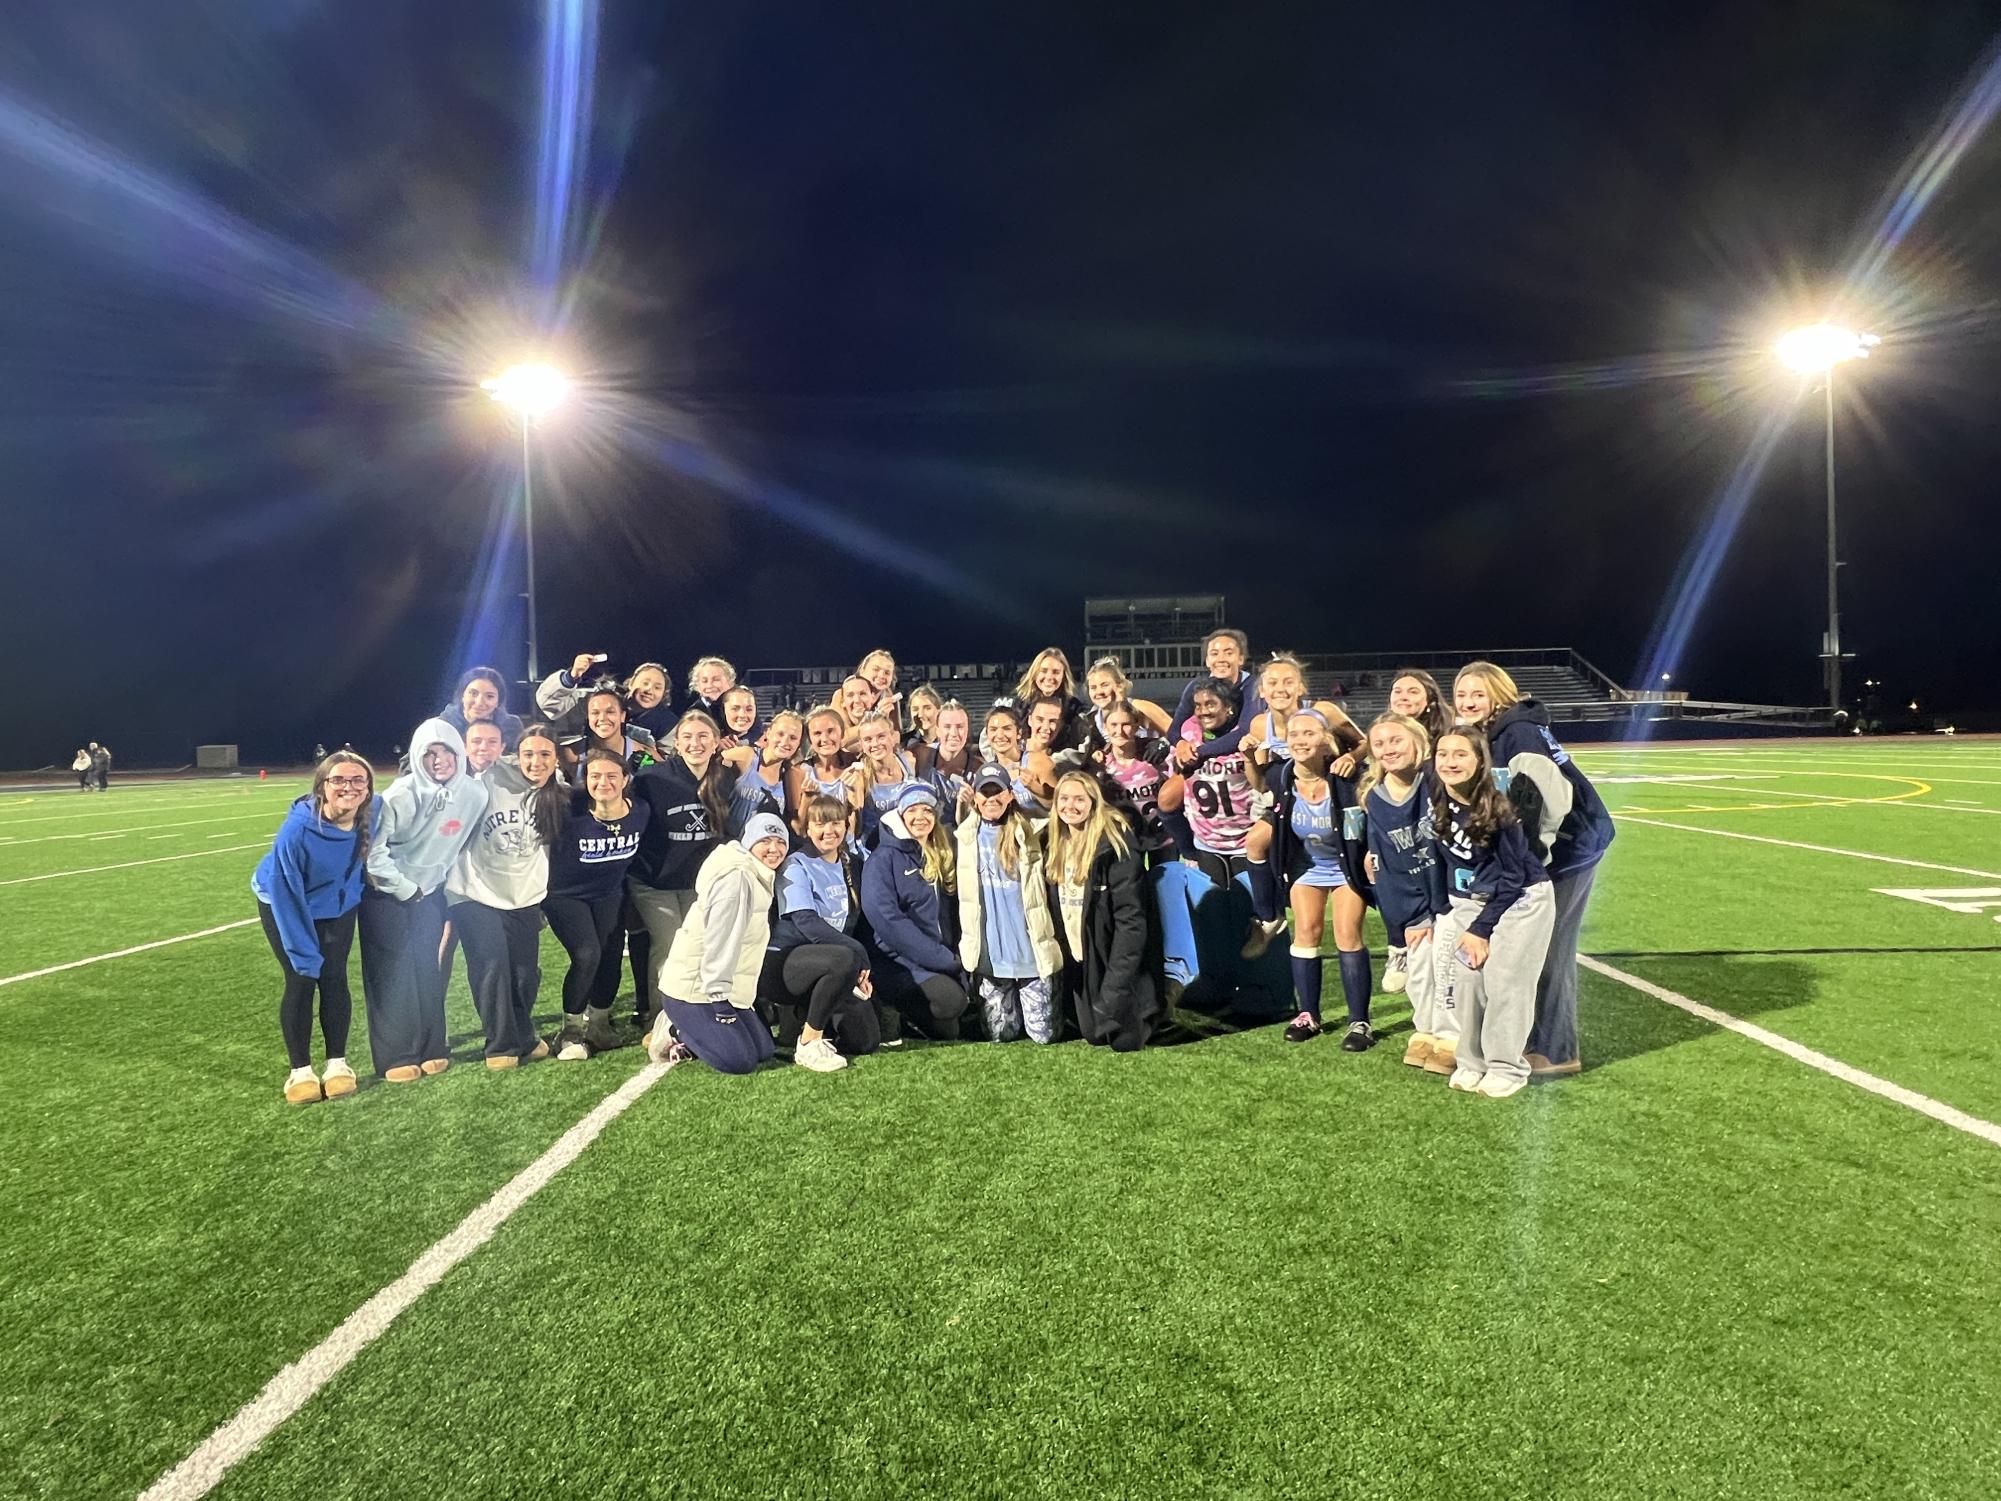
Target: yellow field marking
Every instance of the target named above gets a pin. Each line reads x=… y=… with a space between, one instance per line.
x=1803 y=799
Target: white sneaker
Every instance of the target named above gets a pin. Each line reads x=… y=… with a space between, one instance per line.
x=1465 y=1080
x=660 y=1039
x=819 y=1055
x=1396 y=971
x=1500 y=1086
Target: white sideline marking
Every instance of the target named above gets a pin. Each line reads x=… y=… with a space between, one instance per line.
x=138 y=948
x=1938 y=1110
x=294 y=1386
x=139 y=828
x=91 y=870
x=1820 y=849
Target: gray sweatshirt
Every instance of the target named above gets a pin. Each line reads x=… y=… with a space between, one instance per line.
x=504 y=864
x=425 y=822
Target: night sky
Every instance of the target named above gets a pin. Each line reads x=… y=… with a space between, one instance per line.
x=1404 y=327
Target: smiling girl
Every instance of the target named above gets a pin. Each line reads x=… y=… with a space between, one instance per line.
x=308 y=890
x=1492 y=939
x=587 y=899
x=1409 y=882
x=495 y=894
x=1109 y=934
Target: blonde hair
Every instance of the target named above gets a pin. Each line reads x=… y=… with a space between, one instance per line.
x=801 y=749
x=1500 y=687
x=926 y=693
x=1068 y=851
x=1026 y=689
x=1420 y=738
x=1016 y=832
x=941 y=853
x=701 y=662
x=883 y=652
x=1114 y=669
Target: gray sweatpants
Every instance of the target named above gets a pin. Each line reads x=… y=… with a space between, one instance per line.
x=663 y=912
x=1494 y=1006
x=1421 y=990
x=1554 y=1034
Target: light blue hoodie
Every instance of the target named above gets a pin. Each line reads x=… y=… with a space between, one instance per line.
x=424 y=822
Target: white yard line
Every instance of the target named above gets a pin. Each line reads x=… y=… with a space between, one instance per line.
x=137 y=828
x=137 y=948
x=294 y=1386
x=1959 y=1120
x=1820 y=849
x=79 y=817
x=91 y=870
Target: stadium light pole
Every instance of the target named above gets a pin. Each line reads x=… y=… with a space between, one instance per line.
x=531 y=391
x=1816 y=350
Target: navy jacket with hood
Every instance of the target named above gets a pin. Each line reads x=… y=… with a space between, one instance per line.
x=1558 y=801
x=314 y=871
x=905 y=911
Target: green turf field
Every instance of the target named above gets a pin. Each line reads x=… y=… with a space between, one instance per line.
x=1703 y=1268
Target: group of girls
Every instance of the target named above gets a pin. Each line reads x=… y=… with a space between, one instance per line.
x=879 y=866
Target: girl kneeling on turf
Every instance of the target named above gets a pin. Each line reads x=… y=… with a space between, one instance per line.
x=709 y=982
x=816 y=965
x=1006 y=934
x=1491 y=941
x=1404 y=870
x=909 y=896
x=495 y=893
x=308 y=890
x=1109 y=933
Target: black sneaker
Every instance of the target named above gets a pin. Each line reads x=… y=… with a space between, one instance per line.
x=1358 y=1038
x=1303 y=1029
x=600 y=1035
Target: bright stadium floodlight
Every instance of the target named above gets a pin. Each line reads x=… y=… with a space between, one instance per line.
x=532 y=391
x=1819 y=347
x=1815 y=350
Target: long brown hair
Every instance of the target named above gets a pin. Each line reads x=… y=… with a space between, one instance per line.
x=549 y=804
x=1488 y=810
x=1437 y=715
x=709 y=786
x=361 y=816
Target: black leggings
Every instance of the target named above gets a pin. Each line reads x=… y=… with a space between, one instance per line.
x=295 y=1006
x=935 y=1005
x=585 y=928
x=823 y=976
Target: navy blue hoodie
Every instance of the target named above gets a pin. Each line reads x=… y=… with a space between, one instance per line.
x=1523 y=744
x=680 y=831
x=904 y=910
x=1410 y=882
x=314 y=871
x=1498 y=874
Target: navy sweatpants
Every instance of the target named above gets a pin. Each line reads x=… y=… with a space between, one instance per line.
x=402 y=986
x=730 y=1039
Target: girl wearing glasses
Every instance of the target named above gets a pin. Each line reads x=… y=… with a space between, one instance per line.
x=308 y=890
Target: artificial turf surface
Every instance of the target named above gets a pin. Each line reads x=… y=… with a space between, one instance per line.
x=1234 y=1268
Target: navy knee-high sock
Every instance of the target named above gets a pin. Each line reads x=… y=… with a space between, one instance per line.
x=1264 y=891
x=1356 y=983
x=1306 y=966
